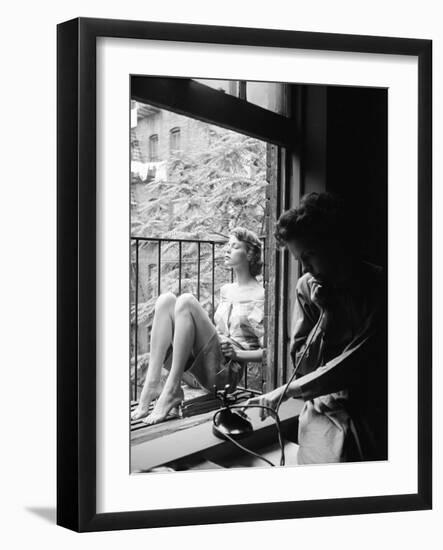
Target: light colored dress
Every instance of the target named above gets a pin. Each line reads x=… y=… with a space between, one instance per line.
x=238 y=319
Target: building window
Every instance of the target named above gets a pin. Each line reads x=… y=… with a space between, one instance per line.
x=212 y=136
x=153 y=148
x=174 y=139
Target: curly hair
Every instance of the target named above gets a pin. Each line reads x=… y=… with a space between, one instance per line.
x=254 y=248
x=320 y=217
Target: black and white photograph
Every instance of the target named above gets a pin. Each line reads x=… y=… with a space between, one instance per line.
x=244 y=268
x=258 y=274
x=221 y=292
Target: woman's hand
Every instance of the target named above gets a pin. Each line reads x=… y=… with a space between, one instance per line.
x=228 y=350
x=270 y=399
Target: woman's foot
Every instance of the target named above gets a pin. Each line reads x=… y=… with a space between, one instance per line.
x=167 y=401
x=149 y=394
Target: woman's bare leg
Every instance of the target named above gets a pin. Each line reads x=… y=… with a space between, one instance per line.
x=161 y=339
x=193 y=330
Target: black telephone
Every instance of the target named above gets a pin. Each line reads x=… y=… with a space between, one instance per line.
x=234 y=424
x=228 y=422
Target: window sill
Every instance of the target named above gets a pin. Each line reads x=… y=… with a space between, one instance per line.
x=178 y=439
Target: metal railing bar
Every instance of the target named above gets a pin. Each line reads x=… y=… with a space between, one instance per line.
x=136 y=324
x=176 y=240
x=159 y=265
x=198 y=271
x=182 y=240
x=179 y=267
x=213 y=280
x=263 y=254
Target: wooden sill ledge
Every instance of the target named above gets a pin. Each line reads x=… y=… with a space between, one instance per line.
x=191 y=437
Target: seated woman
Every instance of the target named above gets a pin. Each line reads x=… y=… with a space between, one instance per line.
x=191 y=348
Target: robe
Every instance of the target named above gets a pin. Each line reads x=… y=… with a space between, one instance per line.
x=339 y=347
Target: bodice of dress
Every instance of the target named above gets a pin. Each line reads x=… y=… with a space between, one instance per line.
x=239 y=316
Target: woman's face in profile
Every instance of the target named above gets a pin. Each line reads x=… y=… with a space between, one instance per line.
x=236 y=253
x=317 y=261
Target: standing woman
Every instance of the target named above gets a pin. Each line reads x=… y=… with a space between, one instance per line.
x=192 y=348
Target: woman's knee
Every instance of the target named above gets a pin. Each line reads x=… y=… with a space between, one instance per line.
x=186 y=302
x=165 y=301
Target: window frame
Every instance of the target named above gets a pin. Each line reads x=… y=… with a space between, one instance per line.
x=282 y=134
x=173 y=133
x=153 y=148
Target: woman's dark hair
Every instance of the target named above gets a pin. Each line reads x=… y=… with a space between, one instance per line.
x=320 y=218
x=253 y=245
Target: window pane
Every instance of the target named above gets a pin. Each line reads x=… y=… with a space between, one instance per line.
x=191 y=184
x=153 y=148
x=269 y=95
x=230 y=87
x=174 y=140
x=194 y=179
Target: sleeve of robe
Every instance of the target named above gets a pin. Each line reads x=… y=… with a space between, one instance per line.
x=360 y=360
x=349 y=367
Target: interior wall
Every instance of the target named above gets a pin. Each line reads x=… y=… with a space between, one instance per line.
x=356 y=162
x=314 y=138
x=343 y=149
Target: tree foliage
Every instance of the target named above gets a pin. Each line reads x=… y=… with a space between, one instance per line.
x=211 y=190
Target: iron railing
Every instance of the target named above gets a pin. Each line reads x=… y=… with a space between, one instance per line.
x=157 y=287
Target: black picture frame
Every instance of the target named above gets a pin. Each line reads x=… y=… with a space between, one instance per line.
x=76 y=265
